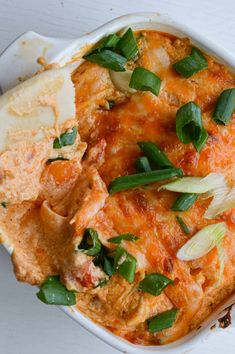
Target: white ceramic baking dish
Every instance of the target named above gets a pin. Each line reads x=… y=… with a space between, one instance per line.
x=19 y=60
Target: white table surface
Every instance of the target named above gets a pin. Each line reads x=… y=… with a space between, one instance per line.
x=26 y=325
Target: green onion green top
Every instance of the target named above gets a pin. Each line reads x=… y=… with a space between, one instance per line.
x=105 y=262
x=109 y=42
x=67 y=138
x=191 y=64
x=128 y=45
x=154 y=154
x=124 y=237
x=140 y=179
x=154 y=283
x=125 y=264
x=184 y=202
x=145 y=80
x=189 y=125
x=182 y=224
x=108 y=59
x=142 y=164
x=102 y=283
x=53 y=292
x=162 y=321
x=59 y=158
x=90 y=244
x=225 y=107
x=4 y=204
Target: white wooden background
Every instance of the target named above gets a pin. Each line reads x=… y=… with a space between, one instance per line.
x=26 y=325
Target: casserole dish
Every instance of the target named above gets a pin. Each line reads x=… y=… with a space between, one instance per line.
x=25 y=52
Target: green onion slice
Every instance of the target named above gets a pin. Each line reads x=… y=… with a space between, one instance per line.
x=108 y=59
x=124 y=237
x=196 y=185
x=121 y=81
x=105 y=262
x=111 y=103
x=154 y=283
x=110 y=41
x=182 y=224
x=145 y=80
x=202 y=242
x=199 y=144
x=4 y=204
x=140 y=179
x=90 y=244
x=162 y=321
x=189 y=123
x=223 y=200
x=184 y=202
x=128 y=45
x=142 y=164
x=155 y=155
x=53 y=292
x=225 y=107
x=67 y=138
x=125 y=264
x=191 y=64
x=59 y=158
x=102 y=283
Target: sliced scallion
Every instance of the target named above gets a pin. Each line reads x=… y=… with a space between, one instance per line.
x=202 y=242
x=128 y=45
x=225 y=107
x=110 y=41
x=111 y=103
x=145 y=80
x=90 y=244
x=58 y=158
x=162 y=321
x=124 y=237
x=108 y=59
x=53 y=292
x=4 y=204
x=142 y=164
x=182 y=224
x=67 y=138
x=154 y=283
x=125 y=264
x=154 y=154
x=101 y=283
x=199 y=144
x=184 y=202
x=189 y=122
x=140 y=179
x=191 y=64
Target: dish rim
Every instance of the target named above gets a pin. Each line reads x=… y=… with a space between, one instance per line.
x=61 y=52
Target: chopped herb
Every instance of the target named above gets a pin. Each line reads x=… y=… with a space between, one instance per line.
x=56 y=159
x=90 y=244
x=225 y=107
x=184 y=201
x=111 y=103
x=108 y=59
x=110 y=41
x=182 y=224
x=67 y=138
x=154 y=154
x=145 y=80
x=191 y=64
x=125 y=237
x=189 y=125
x=128 y=45
x=102 y=283
x=125 y=264
x=140 y=179
x=162 y=321
x=53 y=292
x=4 y=204
x=142 y=164
x=104 y=261
x=154 y=283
